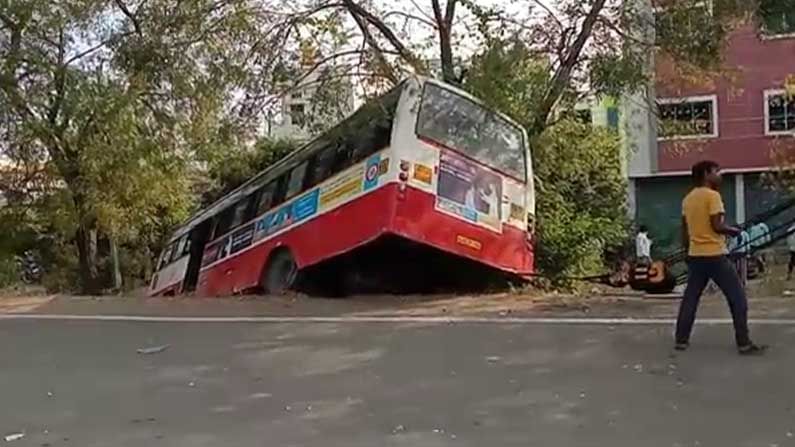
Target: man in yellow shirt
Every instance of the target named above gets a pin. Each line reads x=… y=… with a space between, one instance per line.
x=704 y=232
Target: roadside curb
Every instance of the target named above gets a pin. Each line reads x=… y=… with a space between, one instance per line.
x=378 y=320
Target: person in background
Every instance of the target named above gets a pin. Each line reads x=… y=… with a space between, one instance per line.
x=760 y=235
x=643 y=246
x=703 y=231
x=791 y=248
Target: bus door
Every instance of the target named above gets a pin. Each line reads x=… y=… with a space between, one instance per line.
x=199 y=237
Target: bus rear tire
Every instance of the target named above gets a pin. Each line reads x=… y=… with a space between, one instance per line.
x=280 y=274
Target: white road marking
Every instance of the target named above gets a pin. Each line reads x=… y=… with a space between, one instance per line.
x=387 y=319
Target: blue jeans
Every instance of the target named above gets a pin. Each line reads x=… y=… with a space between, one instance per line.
x=723 y=273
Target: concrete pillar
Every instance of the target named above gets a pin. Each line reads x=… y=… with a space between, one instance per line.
x=739 y=197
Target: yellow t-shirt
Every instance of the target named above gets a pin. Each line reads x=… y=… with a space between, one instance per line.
x=697 y=208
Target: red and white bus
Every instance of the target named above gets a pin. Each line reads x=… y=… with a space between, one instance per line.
x=426 y=163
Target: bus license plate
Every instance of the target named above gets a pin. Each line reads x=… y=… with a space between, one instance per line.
x=469 y=243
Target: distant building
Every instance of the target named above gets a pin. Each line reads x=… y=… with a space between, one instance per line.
x=601 y=112
x=323 y=98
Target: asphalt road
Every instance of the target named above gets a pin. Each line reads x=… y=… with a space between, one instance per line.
x=82 y=384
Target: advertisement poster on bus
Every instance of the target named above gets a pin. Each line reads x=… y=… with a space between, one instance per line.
x=292 y=213
x=343 y=187
x=242 y=238
x=469 y=191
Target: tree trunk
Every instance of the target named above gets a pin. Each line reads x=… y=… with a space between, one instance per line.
x=444 y=23
x=87 y=254
x=114 y=256
x=562 y=75
x=86 y=241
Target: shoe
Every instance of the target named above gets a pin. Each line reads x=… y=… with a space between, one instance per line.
x=752 y=349
x=682 y=346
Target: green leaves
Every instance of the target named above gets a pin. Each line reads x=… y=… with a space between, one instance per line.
x=581 y=196
x=119 y=100
x=509 y=78
x=613 y=74
x=237 y=165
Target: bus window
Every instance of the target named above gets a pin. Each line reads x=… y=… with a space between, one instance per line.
x=177 y=247
x=239 y=213
x=296 y=182
x=266 y=197
x=166 y=258
x=280 y=190
x=322 y=166
x=186 y=246
x=343 y=157
x=224 y=223
x=371 y=140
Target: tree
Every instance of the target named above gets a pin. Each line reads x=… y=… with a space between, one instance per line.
x=581 y=201
x=116 y=100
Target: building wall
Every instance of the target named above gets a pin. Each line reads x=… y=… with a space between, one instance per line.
x=658 y=168
x=753 y=64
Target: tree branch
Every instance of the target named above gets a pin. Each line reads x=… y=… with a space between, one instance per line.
x=550 y=12
x=97 y=47
x=563 y=74
x=60 y=82
x=363 y=17
x=444 y=25
x=421 y=10
x=130 y=15
x=449 y=15
x=422 y=20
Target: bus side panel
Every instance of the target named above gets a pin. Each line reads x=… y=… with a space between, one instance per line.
x=417 y=219
x=325 y=236
x=170 y=278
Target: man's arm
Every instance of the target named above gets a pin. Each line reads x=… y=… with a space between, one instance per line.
x=717 y=214
x=685 y=235
x=719 y=225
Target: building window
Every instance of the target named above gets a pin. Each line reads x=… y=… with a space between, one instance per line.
x=779 y=113
x=612 y=118
x=778 y=17
x=695 y=117
x=298 y=115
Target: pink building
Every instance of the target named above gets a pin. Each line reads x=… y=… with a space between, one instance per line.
x=743 y=118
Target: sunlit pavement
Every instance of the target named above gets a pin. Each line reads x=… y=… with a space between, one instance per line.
x=82 y=383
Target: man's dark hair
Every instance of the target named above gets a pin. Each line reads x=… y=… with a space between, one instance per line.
x=643 y=229
x=701 y=169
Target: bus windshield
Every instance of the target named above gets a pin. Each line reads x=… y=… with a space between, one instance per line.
x=459 y=123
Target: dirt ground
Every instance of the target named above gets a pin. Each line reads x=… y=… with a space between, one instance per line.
x=770 y=297
x=505 y=305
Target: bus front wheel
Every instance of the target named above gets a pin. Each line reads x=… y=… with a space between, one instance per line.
x=280 y=273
